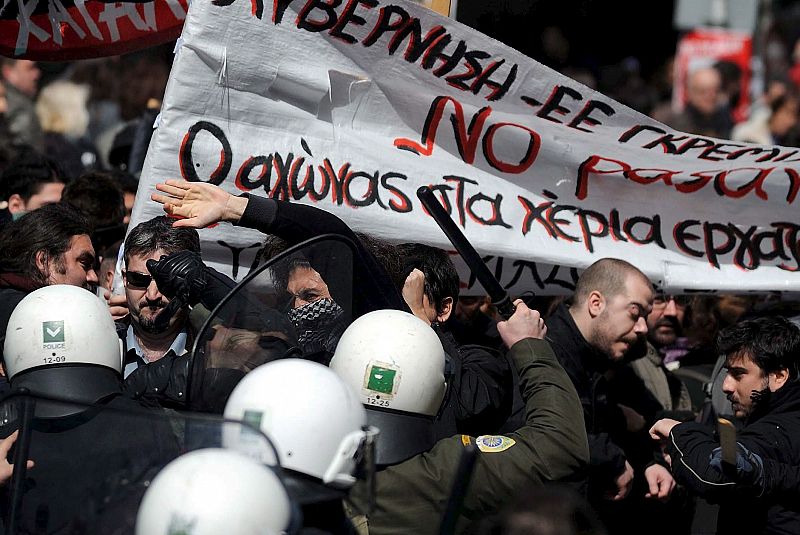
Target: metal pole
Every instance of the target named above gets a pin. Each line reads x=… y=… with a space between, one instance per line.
x=20 y=461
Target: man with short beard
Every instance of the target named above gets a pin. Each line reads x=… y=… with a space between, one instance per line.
x=762 y=359
x=151 y=335
x=664 y=328
x=604 y=321
x=50 y=245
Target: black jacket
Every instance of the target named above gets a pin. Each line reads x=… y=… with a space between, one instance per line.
x=481 y=394
x=585 y=366
x=774 y=434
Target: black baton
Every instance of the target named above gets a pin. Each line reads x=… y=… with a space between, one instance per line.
x=497 y=293
x=455 y=502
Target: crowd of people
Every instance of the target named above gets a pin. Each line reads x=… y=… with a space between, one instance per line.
x=370 y=396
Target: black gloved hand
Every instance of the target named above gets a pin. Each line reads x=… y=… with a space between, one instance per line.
x=180 y=275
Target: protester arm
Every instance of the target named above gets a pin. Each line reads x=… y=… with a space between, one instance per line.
x=607 y=460
x=295 y=223
x=485 y=387
x=690 y=447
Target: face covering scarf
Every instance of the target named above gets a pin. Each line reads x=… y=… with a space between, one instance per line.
x=318 y=325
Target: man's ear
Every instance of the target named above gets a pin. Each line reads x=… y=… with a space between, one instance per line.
x=16 y=204
x=595 y=303
x=778 y=379
x=108 y=281
x=42 y=264
x=447 y=309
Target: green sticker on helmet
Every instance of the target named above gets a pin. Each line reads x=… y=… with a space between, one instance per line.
x=253 y=419
x=180 y=526
x=381 y=379
x=53 y=332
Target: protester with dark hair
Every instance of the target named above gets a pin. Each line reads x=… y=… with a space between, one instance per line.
x=440 y=281
x=152 y=334
x=98 y=196
x=664 y=328
x=481 y=379
x=50 y=245
x=30 y=182
x=165 y=280
x=773 y=128
x=107 y=267
x=762 y=357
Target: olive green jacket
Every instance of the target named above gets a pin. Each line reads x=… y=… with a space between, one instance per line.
x=411 y=497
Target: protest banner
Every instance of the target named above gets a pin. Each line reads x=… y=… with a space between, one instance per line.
x=59 y=30
x=351 y=106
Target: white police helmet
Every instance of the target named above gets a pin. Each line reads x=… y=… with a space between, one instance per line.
x=396 y=363
x=214 y=491
x=315 y=421
x=60 y=325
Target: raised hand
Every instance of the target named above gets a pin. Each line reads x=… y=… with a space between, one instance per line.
x=524 y=323
x=198 y=204
x=179 y=274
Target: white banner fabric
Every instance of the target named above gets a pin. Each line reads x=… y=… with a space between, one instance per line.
x=352 y=105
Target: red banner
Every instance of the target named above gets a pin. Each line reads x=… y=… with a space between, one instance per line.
x=56 y=30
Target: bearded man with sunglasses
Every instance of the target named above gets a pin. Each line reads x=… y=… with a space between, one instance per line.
x=155 y=327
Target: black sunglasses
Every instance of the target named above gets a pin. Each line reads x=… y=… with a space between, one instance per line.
x=134 y=279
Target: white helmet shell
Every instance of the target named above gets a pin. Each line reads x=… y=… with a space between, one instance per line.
x=214 y=491
x=315 y=421
x=395 y=361
x=57 y=325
